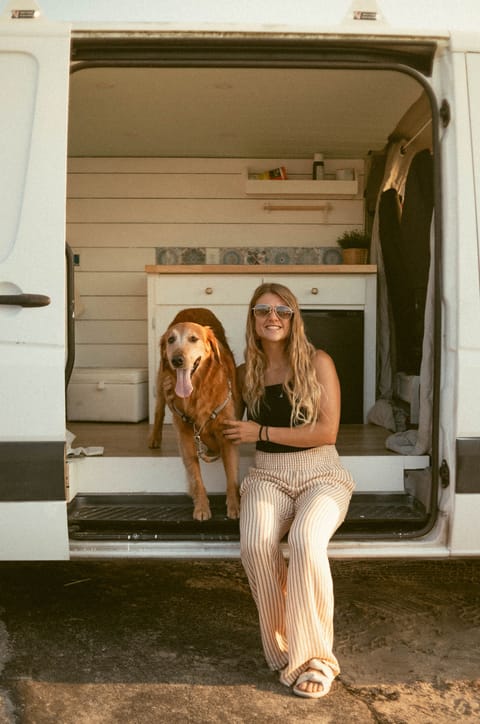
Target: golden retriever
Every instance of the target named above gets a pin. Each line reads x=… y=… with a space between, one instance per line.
x=197 y=380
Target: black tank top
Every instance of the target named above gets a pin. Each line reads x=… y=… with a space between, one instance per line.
x=275 y=410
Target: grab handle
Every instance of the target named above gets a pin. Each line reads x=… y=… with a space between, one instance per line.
x=24 y=300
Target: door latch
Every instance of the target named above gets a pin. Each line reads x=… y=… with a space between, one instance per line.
x=444 y=472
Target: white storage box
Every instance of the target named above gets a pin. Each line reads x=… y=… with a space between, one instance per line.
x=108 y=395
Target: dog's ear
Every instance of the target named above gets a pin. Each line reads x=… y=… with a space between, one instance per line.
x=214 y=344
x=163 y=349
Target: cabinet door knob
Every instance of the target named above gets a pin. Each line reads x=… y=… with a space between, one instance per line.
x=209 y=290
x=314 y=290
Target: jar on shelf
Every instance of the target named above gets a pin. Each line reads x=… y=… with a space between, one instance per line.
x=318 y=172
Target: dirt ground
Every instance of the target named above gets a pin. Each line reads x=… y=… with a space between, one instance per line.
x=143 y=642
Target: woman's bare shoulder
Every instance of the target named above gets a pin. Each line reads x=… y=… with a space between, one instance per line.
x=324 y=365
x=321 y=357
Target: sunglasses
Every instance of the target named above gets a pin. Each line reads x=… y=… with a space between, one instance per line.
x=264 y=310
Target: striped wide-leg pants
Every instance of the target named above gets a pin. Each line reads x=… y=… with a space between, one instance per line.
x=305 y=493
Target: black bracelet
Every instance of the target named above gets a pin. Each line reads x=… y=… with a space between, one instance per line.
x=260 y=433
x=267 y=438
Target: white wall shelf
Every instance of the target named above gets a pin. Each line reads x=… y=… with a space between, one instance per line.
x=299 y=189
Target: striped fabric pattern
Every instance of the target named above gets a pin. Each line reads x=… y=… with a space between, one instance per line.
x=305 y=494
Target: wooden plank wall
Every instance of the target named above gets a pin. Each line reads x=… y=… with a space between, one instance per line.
x=119 y=210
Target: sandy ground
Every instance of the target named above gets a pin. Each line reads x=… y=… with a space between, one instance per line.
x=142 y=642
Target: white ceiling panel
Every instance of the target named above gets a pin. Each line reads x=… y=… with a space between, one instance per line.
x=224 y=112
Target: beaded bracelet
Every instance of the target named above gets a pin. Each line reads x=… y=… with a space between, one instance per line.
x=260 y=433
x=267 y=438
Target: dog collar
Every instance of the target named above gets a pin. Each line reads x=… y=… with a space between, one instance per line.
x=202 y=449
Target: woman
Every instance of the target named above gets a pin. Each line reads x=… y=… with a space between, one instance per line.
x=297 y=486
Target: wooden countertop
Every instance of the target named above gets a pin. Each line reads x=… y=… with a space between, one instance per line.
x=261 y=269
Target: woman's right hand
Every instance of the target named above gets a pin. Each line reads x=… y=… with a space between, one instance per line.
x=238 y=431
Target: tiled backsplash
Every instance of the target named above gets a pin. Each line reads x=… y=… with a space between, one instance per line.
x=248 y=255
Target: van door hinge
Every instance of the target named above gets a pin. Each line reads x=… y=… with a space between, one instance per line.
x=445 y=113
x=363 y=10
x=24 y=14
x=444 y=472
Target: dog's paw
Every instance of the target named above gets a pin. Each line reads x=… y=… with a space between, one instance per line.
x=233 y=507
x=154 y=441
x=202 y=512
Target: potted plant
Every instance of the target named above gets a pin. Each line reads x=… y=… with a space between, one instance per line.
x=355 y=245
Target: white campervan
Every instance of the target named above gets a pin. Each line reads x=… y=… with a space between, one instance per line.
x=134 y=182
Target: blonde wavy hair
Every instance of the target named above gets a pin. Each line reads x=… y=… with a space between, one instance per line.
x=302 y=387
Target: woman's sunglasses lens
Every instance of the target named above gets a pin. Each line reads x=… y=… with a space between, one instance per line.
x=263 y=310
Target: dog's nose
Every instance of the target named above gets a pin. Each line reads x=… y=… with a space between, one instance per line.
x=177 y=360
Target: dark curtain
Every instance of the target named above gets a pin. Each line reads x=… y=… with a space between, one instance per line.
x=404 y=231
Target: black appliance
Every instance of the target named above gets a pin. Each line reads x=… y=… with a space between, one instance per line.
x=340 y=333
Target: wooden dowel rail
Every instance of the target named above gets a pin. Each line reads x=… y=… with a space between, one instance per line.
x=286 y=207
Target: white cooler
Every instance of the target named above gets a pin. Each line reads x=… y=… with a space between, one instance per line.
x=105 y=394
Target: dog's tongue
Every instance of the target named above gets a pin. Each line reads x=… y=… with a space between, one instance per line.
x=183 y=388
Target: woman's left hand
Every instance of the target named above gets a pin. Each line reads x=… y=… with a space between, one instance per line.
x=238 y=431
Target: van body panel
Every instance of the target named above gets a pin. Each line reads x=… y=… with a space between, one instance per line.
x=307 y=16
x=33 y=531
x=466 y=244
x=468 y=465
x=32 y=245
x=464 y=531
x=32 y=471
x=34 y=74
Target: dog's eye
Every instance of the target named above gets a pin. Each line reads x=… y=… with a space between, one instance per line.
x=193 y=338
x=171 y=339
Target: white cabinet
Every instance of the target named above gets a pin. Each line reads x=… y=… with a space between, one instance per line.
x=227 y=295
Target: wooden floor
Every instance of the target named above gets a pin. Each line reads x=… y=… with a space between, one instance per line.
x=130 y=439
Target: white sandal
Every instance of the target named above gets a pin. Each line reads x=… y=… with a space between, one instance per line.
x=318 y=673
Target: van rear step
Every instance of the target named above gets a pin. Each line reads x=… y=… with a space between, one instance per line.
x=169 y=517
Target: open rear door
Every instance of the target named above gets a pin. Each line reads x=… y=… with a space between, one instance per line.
x=465 y=530
x=34 y=72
